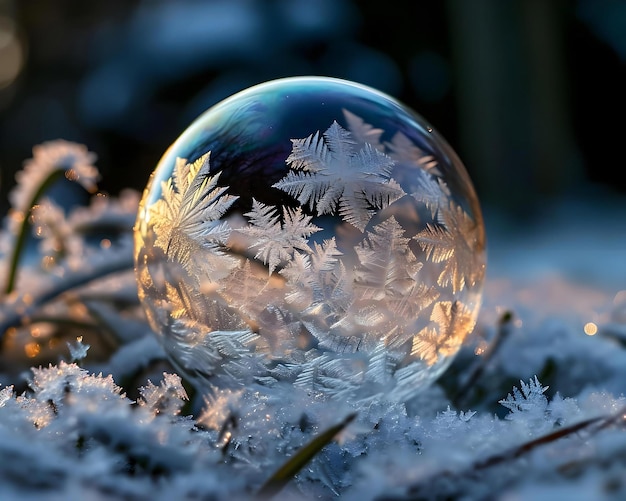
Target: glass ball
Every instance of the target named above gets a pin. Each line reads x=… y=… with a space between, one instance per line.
x=312 y=233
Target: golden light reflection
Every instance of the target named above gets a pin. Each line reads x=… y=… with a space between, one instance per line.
x=79 y=310
x=71 y=175
x=41 y=330
x=590 y=329
x=32 y=349
x=9 y=338
x=34 y=209
x=208 y=287
x=48 y=262
x=16 y=216
x=226 y=438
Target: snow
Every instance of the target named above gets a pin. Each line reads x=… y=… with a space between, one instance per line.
x=545 y=419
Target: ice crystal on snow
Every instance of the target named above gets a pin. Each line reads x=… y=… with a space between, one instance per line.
x=79 y=350
x=167 y=398
x=529 y=398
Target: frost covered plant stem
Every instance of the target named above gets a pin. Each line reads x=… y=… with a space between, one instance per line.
x=527 y=447
x=24 y=225
x=593 y=425
x=50 y=162
x=15 y=318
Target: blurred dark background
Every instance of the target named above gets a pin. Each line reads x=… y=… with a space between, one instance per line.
x=531 y=93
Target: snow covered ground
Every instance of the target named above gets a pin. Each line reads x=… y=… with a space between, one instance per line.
x=558 y=435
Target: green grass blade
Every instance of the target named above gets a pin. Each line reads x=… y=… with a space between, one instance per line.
x=296 y=462
x=24 y=228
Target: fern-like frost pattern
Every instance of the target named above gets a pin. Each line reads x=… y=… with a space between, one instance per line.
x=330 y=176
x=187 y=219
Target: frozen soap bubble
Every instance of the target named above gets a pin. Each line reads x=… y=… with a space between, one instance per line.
x=311 y=233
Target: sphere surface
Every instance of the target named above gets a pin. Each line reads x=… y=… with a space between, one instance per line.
x=314 y=233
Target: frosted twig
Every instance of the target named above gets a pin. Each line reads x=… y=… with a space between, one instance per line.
x=13 y=318
x=507 y=455
x=50 y=161
x=24 y=226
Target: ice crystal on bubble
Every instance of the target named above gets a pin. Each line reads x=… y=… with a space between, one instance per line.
x=330 y=177
x=312 y=233
x=277 y=241
x=187 y=218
